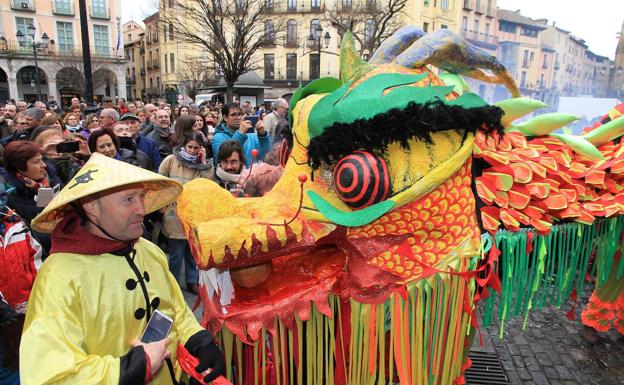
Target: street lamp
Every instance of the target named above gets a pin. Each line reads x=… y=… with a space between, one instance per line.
x=314 y=42
x=29 y=39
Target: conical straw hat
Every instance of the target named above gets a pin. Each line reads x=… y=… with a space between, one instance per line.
x=102 y=173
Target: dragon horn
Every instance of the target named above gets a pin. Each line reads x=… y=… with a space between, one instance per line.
x=606 y=132
x=445 y=50
x=545 y=123
x=515 y=108
x=580 y=145
x=352 y=66
x=396 y=44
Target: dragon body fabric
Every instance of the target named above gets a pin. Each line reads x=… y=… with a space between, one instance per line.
x=364 y=263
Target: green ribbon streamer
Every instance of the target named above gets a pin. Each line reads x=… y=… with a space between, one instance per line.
x=555 y=267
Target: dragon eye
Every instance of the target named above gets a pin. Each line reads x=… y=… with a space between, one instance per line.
x=361 y=179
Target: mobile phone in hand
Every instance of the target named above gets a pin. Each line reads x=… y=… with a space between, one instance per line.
x=157 y=328
x=67 y=147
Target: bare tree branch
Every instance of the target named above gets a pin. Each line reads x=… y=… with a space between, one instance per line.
x=194 y=75
x=229 y=31
x=70 y=74
x=370 y=21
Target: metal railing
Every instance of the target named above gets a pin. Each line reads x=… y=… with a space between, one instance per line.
x=63 y=8
x=300 y=7
x=23 y=5
x=268 y=41
x=99 y=13
x=13 y=47
x=480 y=36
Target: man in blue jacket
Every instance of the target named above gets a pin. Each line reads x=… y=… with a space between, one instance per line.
x=234 y=127
x=147 y=145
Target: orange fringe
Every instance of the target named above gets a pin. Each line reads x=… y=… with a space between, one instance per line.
x=602 y=315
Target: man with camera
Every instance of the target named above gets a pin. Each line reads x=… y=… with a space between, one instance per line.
x=237 y=127
x=90 y=308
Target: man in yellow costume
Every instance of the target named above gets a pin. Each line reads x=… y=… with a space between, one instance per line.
x=94 y=295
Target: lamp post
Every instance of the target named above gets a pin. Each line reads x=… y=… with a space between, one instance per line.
x=314 y=42
x=26 y=39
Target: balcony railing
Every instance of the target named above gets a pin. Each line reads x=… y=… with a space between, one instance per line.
x=23 y=5
x=292 y=43
x=13 y=47
x=155 y=65
x=480 y=37
x=468 y=4
x=149 y=66
x=301 y=7
x=63 y=8
x=268 y=42
x=99 y=13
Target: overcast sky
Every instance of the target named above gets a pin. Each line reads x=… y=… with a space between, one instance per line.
x=596 y=21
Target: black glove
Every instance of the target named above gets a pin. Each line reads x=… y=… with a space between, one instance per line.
x=202 y=346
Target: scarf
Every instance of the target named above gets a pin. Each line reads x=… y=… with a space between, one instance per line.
x=162 y=132
x=73 y=129
x=186 y=156
x=34 y=185
x=232 y=178
x=70 y=236
x=187 y=162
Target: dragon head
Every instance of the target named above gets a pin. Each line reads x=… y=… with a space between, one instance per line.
x=376 y=190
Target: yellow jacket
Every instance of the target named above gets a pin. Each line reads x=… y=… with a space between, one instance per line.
x=80 y=317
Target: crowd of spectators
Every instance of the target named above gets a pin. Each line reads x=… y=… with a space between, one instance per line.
x=42 y=146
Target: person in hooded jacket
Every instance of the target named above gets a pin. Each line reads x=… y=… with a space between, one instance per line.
x=187 y=162
x=20 y=258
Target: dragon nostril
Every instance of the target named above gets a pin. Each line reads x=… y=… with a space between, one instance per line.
x=361 y=179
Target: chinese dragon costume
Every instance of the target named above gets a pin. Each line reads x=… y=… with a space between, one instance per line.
x=405 y=200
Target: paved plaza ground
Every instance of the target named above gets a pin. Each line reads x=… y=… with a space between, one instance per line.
x=551 y=351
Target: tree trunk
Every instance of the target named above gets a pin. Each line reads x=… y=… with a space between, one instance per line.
x=229 y=92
